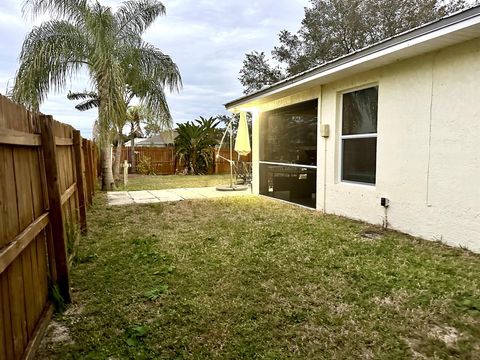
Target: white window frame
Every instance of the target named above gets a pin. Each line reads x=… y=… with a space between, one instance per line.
x=357 y=136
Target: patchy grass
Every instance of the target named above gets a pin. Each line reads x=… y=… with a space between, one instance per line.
x=160 y=182
x=258 y=279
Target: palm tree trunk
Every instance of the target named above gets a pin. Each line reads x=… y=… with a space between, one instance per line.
x=118 y=155
x=108 y=183
x=104 y=111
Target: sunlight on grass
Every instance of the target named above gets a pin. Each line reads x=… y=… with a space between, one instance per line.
x=254 y=278
x=161 y=182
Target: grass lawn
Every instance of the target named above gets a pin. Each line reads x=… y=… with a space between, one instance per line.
x=160 y=182
x=257 y=279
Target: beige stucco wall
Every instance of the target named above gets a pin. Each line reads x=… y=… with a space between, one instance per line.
x=428 y=150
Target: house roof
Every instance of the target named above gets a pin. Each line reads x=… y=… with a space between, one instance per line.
x=452 y=29
x=165 y=138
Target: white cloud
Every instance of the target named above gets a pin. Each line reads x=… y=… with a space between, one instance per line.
x=206 y=38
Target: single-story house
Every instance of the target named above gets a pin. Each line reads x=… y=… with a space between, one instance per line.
x=389 y=134
x=164 y=139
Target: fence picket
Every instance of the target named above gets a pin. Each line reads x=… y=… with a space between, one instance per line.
x=41 y=163
x=55 y=205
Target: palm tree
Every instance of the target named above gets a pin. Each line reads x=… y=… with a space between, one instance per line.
x=136 y=115
x=86 y=35
x=194 y=144
x=155 y=120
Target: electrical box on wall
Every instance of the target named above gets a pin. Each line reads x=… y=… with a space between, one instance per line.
x=384 y=202
x=325 y=130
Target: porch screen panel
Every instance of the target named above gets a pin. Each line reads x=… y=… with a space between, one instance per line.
x=289 y=134
x=288 y=153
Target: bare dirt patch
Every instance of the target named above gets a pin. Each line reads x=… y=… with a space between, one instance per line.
x=57 y=335
x=449 y=335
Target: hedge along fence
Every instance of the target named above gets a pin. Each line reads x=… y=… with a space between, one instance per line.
x=47 y=178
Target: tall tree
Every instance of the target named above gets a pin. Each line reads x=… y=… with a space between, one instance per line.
x=136 y=115
x=152 y=117
x=333 y=28
x=87 y=35
x=257 y=72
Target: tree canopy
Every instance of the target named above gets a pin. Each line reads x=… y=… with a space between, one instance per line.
x=84 y=34
x=333 y=28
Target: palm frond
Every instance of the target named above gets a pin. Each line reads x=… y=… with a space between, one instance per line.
x=121 y=66
x=155 y=100
x=153 y=64
x=84 y=95
x=88 y=104
x=106 y=71
x=90 y=99
x=51 y=54
x=71 y=10
x=135 y=16
x=149 y=71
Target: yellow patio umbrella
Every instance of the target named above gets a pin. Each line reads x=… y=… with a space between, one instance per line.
x=242 y=142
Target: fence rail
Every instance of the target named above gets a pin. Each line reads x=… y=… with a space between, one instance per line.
x=47 y=178
x=165 y=162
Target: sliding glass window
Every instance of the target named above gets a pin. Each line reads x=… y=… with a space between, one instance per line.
x=288 y=153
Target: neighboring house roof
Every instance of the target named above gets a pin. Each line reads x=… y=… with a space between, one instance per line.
x=163 y=139
x=137 y=141
x=450 y=30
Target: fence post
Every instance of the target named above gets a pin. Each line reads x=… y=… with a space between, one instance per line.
x=174 y=162
x=77 y=151
x=55 y=205
x=88 y=170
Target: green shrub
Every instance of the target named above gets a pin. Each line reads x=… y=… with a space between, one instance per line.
x=145 y=166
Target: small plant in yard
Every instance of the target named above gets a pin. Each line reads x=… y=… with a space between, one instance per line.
x=145 y=166
x=135 y=334
x=56 y=298
x=73 y=232
x=154 y=294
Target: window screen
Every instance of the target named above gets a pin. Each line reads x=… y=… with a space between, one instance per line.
x=289 y=134
x=359 y=135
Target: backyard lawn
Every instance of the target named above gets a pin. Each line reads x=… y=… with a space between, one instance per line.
x=160 y=182
x=257 y=279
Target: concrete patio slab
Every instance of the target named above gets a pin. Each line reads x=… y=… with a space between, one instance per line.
x=118 y=194
x=165 y=195
x=141 y=195
x=148 y=201
x=212 y=192
x=118 y=198
x=188 y=194
x=119 y=202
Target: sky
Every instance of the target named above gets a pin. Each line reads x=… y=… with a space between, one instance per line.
x=206 y=38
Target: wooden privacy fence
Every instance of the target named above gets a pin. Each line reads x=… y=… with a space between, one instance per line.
x=47 y=177
x=162 y=159
x=165 y=162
